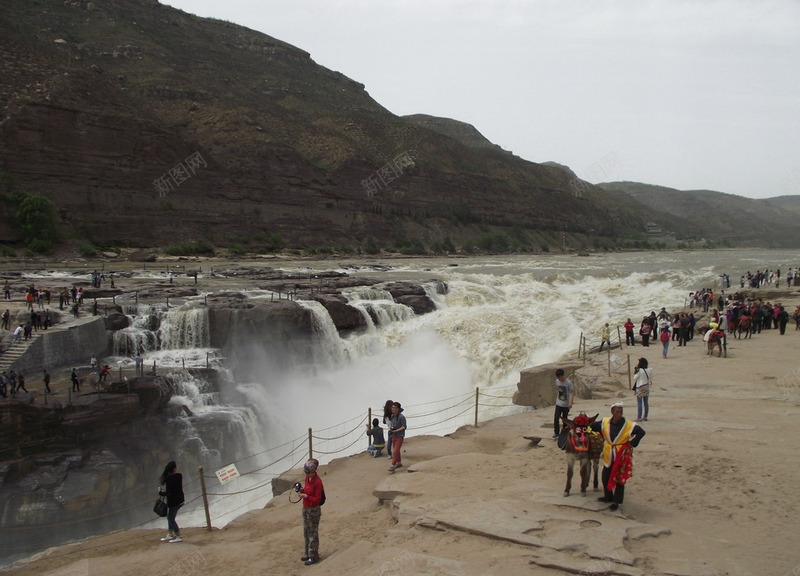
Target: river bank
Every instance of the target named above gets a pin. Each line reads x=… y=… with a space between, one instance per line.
x=708 y=494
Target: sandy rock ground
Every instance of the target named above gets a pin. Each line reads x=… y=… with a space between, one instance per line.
x=711 y=492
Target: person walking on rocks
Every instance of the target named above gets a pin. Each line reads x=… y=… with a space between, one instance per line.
x=46 y=379
x=172 y=487
x=565 y=394
x=313 y=494
x=139 y=362
x=103 y=374
x=6 y=319
x=21 y=383
x=783 y=320
x=605 y=336
x=397 y=429
x=620 y=437
x=7 y=290
x=664 y=337
x=17 y=334
x=76 y=383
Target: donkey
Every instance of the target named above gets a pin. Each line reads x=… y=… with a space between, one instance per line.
x=719 y=341
x=584 y=446
x=742 y=324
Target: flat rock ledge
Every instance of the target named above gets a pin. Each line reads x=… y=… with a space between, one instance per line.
x=577 y=534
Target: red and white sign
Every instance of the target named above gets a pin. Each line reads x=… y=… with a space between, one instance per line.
x=227 y=474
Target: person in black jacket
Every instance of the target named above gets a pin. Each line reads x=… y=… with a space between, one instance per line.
x=172 y=488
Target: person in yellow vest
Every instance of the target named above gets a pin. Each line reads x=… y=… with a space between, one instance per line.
x=621 y=437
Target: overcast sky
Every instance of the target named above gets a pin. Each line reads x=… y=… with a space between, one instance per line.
x=685 y=94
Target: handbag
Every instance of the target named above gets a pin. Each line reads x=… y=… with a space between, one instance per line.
x=160 y=507
x=642 y=390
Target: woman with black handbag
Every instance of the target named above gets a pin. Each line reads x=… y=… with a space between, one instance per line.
x=172 y=488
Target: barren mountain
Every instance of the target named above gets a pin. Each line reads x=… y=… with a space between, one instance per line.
x=146 y=125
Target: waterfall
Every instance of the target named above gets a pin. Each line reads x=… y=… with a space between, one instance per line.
x=161 y=328
x=196 y=394
x=140 y=336
x=377 y=306
x=329 y=349
x=185 y=328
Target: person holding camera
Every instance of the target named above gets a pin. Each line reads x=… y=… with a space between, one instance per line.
x=312 y=493
x=397 y=432
x=642 y=378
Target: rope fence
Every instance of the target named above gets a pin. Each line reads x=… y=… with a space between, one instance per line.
x=339 y=439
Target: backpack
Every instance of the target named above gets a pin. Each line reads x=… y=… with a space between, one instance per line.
x=665 y=336
x=322 y=499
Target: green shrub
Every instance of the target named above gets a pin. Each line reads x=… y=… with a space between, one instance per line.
x=87 y=250
x=236 y=250
x=493 y=242
x=195 y=248
x=411 y=247
x=370 y=246
x=462 y=213
x=37 y=218
x=443 y=246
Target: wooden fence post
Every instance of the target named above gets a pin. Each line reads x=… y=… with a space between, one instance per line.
x=630 y=384
x=477 y=392
x=205 y=499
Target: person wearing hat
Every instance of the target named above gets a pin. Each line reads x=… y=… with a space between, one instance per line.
x=312 y=493
x=620 y=437
x=712 y=327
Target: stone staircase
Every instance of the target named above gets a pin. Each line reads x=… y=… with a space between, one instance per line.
x=14 y=351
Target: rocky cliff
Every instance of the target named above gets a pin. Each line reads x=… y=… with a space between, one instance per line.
x=128 y=111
